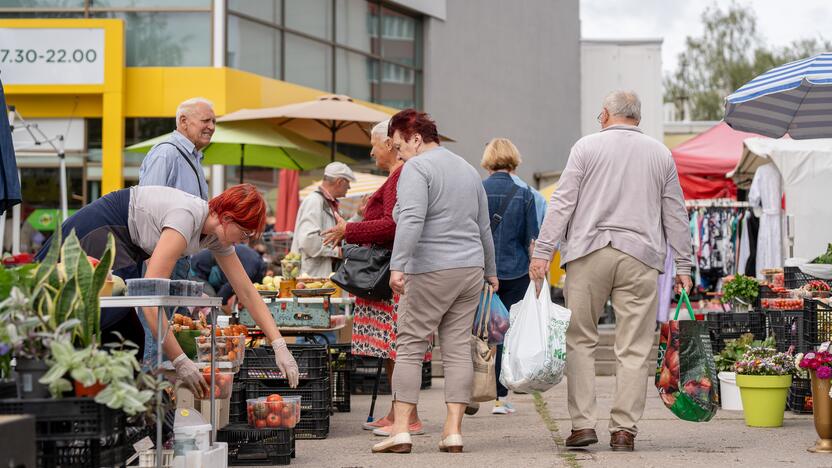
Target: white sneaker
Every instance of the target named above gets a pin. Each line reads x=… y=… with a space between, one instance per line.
x=503 y=407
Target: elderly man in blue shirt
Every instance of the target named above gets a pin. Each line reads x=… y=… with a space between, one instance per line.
x=176 y=163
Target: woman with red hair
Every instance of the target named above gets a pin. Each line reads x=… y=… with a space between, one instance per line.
x=158 y=225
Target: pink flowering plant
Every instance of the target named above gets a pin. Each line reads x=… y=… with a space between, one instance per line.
x=820 y=362
x=765 y=361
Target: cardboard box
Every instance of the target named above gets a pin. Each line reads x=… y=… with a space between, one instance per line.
x=344 y=335
x=185 y=399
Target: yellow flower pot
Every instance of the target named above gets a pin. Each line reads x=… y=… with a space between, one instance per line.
x=764 y=398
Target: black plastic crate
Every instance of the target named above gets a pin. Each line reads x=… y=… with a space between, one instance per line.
x=8 y=389
x=313 y=424
x=725 y=326
x=82 y=453
x=793 y=278
x=237 y=403
x=364 y=377
x=341 y=390
x=257 y=447
x=790 y=328
x=800 y=396
x=314 y=393
x=68 y=418
x=803 y=329
x=259 y=363
x=341 y=358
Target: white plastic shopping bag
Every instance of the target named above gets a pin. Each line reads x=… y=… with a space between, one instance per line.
x=534 y=351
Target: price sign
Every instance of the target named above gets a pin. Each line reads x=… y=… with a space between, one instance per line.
x=52 y=56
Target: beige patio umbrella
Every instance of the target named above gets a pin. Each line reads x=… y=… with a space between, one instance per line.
x=336 y=118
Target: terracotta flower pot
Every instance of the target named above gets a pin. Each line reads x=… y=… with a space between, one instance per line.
x=822 y=409
x=91 y=391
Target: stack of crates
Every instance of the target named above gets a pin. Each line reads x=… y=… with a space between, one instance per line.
x=74 y=432
x=801 y=331
x=261 y=379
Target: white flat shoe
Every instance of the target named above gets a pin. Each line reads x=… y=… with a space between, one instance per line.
x=452 y=444
x=399 y=443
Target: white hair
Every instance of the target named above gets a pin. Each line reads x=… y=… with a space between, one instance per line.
x=185 y=107
x=623 y=104
x=380 y=130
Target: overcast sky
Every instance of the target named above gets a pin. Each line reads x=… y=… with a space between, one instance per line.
x=778 y=22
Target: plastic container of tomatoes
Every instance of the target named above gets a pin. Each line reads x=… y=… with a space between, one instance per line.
x=273 y=411
x=223 y=381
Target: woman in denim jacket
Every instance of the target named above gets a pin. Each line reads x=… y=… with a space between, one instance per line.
x=513 y=234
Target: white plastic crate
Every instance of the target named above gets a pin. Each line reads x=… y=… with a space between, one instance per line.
x=216 y=457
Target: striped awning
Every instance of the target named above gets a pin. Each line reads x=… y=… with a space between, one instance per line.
x=795 y=98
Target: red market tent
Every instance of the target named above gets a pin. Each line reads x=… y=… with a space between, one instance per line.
x=703 y=161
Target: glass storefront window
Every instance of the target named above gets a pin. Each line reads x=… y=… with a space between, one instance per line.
x=400 y=37
x=264 y=10
x=398 y=86
x=313 y=17
x=166 y=39
x=308 y=63
x=253 y=47
x=150 y=4
x=355 y=24
x=356 y=75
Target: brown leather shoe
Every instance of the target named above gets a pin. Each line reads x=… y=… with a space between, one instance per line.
x=622 y=441
x=582 y=438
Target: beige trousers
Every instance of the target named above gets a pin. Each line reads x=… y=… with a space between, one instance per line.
x=590 y=280
x=444 y=300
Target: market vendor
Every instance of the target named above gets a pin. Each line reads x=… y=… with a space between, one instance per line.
x=159 y=225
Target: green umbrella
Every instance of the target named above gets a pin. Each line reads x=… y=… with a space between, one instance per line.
x=257 y=144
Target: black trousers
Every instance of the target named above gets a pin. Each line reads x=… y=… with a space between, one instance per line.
x=510 y=293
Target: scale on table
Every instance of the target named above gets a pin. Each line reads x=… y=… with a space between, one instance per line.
x=312 y=312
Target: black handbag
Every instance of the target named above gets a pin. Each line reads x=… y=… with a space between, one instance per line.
x=365 y=272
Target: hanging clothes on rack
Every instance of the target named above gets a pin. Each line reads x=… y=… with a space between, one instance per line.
x=716 y=232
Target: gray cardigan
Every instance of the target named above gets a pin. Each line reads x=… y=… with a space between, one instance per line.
x=441 y=216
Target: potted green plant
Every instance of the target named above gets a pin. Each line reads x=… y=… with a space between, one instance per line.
x=764 y=377
x=52 y=300
x=734 y=350
x=740 y=291
x=112 y=376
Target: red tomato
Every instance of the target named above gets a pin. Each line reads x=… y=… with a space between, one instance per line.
x=286 y=412
x=273 y=420
x=289 y=422
x=275 y=407
x=260 y=423
x=274 y=397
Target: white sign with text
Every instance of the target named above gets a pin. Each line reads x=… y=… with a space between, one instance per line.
x=51 y=56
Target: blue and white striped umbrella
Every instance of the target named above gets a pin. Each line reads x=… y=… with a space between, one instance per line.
x=795 y=98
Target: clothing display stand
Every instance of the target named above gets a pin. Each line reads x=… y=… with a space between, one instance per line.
x=161 y=303
x=717 y=202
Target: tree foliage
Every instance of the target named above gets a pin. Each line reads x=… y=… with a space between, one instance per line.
x=729 y=53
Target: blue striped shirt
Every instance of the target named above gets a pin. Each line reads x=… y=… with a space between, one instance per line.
x=166 y=166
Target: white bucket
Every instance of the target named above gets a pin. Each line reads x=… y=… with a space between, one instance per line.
x=729 y=392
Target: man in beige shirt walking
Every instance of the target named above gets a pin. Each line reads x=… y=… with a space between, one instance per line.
x=618 y=204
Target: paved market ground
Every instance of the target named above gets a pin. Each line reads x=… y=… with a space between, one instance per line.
x=533 y=437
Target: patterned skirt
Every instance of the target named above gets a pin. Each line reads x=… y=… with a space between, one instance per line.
x=374 y=328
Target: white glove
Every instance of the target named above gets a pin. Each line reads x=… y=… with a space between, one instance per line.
x=285 y=361
x=188 y=374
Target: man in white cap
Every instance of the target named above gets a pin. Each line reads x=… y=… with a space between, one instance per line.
x=317 y=213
